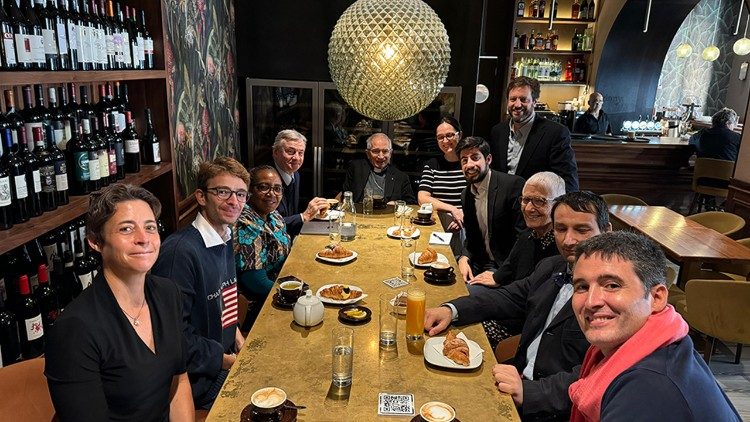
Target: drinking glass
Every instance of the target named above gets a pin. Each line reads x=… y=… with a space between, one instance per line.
x=367 y=202
x=334 y=232
x=398 y=213
x=415 y=306
x=343 y=356
x=408 y=247
x=388 y=320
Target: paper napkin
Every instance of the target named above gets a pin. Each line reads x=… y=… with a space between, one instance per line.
x=440 y=238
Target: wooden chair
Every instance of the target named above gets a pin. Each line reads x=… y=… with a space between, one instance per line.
x=719 y=309
x=506 y=349
x=723 y=222
x=620 y=199
x=709 y=176
x=24 y=392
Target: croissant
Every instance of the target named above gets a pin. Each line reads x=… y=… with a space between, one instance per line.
x=335 y=252
x=429 y=255
x=456 y=349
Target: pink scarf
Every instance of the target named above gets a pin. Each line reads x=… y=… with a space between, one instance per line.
x=661 y=329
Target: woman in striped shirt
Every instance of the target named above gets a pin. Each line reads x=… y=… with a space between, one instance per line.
x=443 y=181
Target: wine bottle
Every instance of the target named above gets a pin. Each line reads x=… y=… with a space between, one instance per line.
x=8 y=45
x=13 y=118
x=85 y=36
x=46 y=297
x=583 y=12
x=33 y=179
x=32 y=255
x=30 y=324
x=6 y=211
x=71 y=12
x=21 y=32
x=102 y=152
x=61 y=169
x=151 y=151
x=69 y=108
x=47 y=20
x=99 y=47
x=116 y=36
x=36 y=37
x=132 y=146
x=105 y=102
x=115 y=142
x=78 y=162
x=60 y=13
x=148 y=43
x=70 y=283
x=591 y=14
x=49 y=246
x=109 y=148
x=46 y=166
x=19 y=194
x=82 y=269
x=10 y=344
x=136 y=41
x=93 y=156
x=109 y=34
x=85 y=110
x=126 y=54
x=57 y=118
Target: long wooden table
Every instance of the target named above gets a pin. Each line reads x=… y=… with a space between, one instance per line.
x=684 y=241
x=280 y=353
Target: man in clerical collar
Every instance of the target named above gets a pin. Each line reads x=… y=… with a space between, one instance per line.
x=200 y=259
x=288 y=156
x=377 y=174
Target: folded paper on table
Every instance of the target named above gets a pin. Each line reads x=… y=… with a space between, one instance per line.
x=474 y=349
x=440 y=238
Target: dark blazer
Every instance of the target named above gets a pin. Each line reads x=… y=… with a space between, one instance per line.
x=289 y=207
x=505 y=220
x=397 y=184
x=547 y=149
x=562 y=348
x=719 y=143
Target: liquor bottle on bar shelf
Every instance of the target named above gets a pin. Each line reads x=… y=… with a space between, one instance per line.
x=132 y=146
x=575 y=10
x=46 y=166
x=30 y=324
x=18 y=188
x=521 y=8
x=10 y=343
x=542 y=6
x=47 y=298
x=583 y=12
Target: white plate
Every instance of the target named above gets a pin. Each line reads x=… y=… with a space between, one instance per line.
x=339 y=302
x=394 y=229
x=337 y=260
x=433 y=353
x=414 y=257
x=330 y=215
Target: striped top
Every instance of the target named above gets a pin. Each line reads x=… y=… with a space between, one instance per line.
x=444 y=180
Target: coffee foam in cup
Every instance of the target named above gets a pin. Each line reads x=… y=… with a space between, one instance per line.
x=268 y=397
x=436 y=411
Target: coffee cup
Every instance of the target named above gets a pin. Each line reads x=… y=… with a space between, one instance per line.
x=424 y=215
x=268 y=402
x=436 y=411
x=441 y=270
x=290 y=291
x=333 y=204
x=378 y=202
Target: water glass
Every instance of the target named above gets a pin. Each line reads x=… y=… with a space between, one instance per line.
x=398 y=212
x=334 y=233
x=408 y=248
x=367 y=202
x=388 y=320
x=415 y=306
x=343 y=356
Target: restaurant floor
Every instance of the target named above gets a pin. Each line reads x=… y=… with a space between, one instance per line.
x=734 y=379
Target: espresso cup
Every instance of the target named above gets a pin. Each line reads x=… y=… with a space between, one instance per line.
x=436 y=411
x=441 y=269
x=378 y=202
x=268 y=402
x=290 y=290
x=424 y=215
x=333 y=204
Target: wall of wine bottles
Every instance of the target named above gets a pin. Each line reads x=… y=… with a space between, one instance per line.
x=50 y=35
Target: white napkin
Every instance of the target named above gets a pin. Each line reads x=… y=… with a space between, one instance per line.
x=474 y=349
x=440 y=238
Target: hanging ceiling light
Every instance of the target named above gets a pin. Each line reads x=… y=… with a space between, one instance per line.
x=741 y=47
x=482 y=94
x=710 y=53
x=389 y=58
x=684 y=50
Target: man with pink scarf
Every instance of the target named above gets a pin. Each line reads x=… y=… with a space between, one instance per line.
x=641 y=364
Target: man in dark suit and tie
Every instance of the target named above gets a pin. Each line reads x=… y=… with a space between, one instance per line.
x=528 y=144
x=492 y=213
x=552 y=346
x=288 y=156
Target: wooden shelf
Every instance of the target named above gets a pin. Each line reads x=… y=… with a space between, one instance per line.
x=78 y=205
x=558 y=21
x=566 y=83
x=46 y=77
x=551 y=52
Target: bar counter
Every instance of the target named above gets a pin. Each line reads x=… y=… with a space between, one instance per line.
x=657 y=170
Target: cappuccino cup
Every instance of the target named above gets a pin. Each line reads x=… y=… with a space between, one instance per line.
x=436 y=411
x=441 y=270
x=424 y=215
x=268 y=402
x=378 y=202
x=333 y=204
x=290 y=291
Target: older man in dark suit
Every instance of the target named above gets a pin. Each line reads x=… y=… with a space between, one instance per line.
x=492 y=213
x=528 y=144
x=552 y=345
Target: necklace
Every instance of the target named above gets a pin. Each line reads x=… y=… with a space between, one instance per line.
x=136 y=319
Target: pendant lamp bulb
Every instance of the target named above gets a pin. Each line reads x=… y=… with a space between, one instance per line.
x=741 y=47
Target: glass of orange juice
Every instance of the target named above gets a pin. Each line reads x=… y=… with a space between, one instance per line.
x=415 y=305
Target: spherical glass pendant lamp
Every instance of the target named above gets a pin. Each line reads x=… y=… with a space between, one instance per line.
x=741 y=47
x=389 y=58
x=684 y=50
x=710 y=53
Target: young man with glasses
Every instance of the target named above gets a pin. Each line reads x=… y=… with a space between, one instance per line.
x=377 y=174
x=200 y=259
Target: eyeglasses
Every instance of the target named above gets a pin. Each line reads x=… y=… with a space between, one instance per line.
x=379 y=151
x=536 y=201
x=226 y=193
x=447 y=137
x=267 y=187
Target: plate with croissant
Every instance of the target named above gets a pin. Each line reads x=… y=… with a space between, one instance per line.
x=329 y=215
x=403 y=232
x=336 y=254
x=427 y=257
x=453 y=351
x=340 y=294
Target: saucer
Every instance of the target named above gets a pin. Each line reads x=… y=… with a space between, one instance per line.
x=419 y=419
x=431 y=278
x=343 y=317
x=281 y=303
x=287 y=414
x=419 y=222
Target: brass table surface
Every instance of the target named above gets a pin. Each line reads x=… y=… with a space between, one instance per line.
x=280 y=353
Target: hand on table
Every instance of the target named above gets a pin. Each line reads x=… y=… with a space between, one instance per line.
x=313 y=208
x=437 y=319
x=507 y=380
x=239 y=340
x=485 y=279
x=465 y=269
x=458 y=219
x=228 y=360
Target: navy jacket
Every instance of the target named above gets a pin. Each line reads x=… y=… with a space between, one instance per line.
x=397 y=184
x=719 y=143
x=289 y=207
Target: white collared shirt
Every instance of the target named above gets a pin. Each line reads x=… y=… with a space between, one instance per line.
x=480 y=201
x=210 y=236
x=285 y=177
x=563 y=296
x=516 y=143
